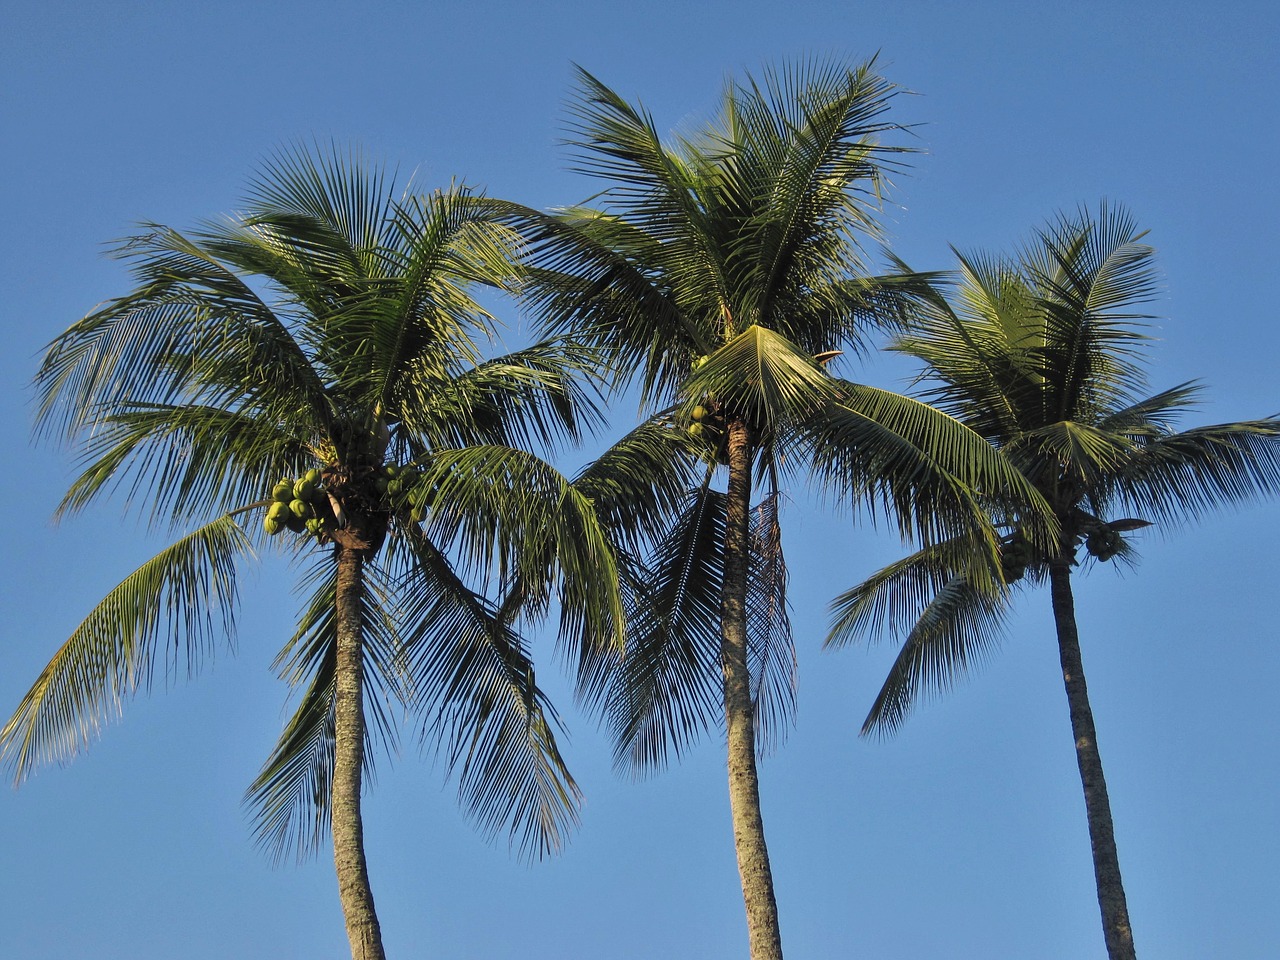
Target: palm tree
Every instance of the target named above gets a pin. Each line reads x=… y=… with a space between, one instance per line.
x=327 y=336
x=723 y=272
x=1042 y=355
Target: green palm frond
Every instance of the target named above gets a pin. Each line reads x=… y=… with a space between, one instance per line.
x=666 y=690
x=347 y=193
x=170 y=610
x=771 y=652
x=1155 y=415
x=1182 y=476
x=926 y=469
x=549 y=534
x=473 y=686
x=593 y=275
x=194 y=331
x=892 y=601
x=957 y=631
x=543 y=394
x=185 y=459
x=764 y=378
x=640 y=482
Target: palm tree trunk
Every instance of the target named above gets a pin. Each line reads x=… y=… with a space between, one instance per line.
x=744 y=788
x=1106 y=862
x=348 y=765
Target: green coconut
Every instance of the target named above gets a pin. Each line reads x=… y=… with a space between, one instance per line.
x=282 y=491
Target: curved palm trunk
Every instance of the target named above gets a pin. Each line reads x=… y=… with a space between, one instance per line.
x=1106 y=862
x=348 y=765
x=744 y=789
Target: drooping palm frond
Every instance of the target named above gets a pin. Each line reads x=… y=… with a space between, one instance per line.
x=771 y=651
x=548 y=536
x=640 y=482
x=665 y=693
x=1177 y=477
x=957 y=631
x=166 y=614
x=472 y=685
x=925 y=469
x=194 y=331
x=185 y=459
x=892 y=600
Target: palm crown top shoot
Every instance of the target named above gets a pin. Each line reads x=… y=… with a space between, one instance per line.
x=327 y=337
x=723 y=269
x=1043 y=355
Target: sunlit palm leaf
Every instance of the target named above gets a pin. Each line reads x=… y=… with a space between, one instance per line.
x=168 y=612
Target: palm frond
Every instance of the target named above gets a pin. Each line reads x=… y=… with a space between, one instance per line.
x=473 y=686
x=1181 y=476
x=959 y=629
x=771 y=654
x=169 y=611
x=666 y=692
x=765 y=379
x=927 y=470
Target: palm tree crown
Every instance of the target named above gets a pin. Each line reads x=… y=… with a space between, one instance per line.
x=1043 y=356
x=327 y=336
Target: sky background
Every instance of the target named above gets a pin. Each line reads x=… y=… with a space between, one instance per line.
x=963 y=837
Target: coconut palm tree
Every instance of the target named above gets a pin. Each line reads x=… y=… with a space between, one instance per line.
x=327 y=336
x=722 y=272
x=1042 y=355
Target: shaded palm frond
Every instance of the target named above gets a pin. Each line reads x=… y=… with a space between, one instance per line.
x=473 y=686
x=771 y=653
x=666 y=692
x=959 y=629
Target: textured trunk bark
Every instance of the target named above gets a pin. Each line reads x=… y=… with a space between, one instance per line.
x=744 y=789
x=348 y=765
x=1106 y=862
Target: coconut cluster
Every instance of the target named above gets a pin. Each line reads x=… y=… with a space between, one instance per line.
x=1103 y=541
x=301 y=506
x=404 y=490
x=708 y=425
x=1015 y=555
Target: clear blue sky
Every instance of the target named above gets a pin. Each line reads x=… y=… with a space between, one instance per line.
x=962 y=838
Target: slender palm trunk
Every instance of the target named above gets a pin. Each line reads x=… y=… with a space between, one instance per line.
x=744 y=788
x=1106 y=862
x=348 y=765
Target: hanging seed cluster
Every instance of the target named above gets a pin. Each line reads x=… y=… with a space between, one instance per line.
x=707 y=424
x=303 y=505
x=300 y=506
x=404 y=490
x=1015 y=555
x=1103 y=541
